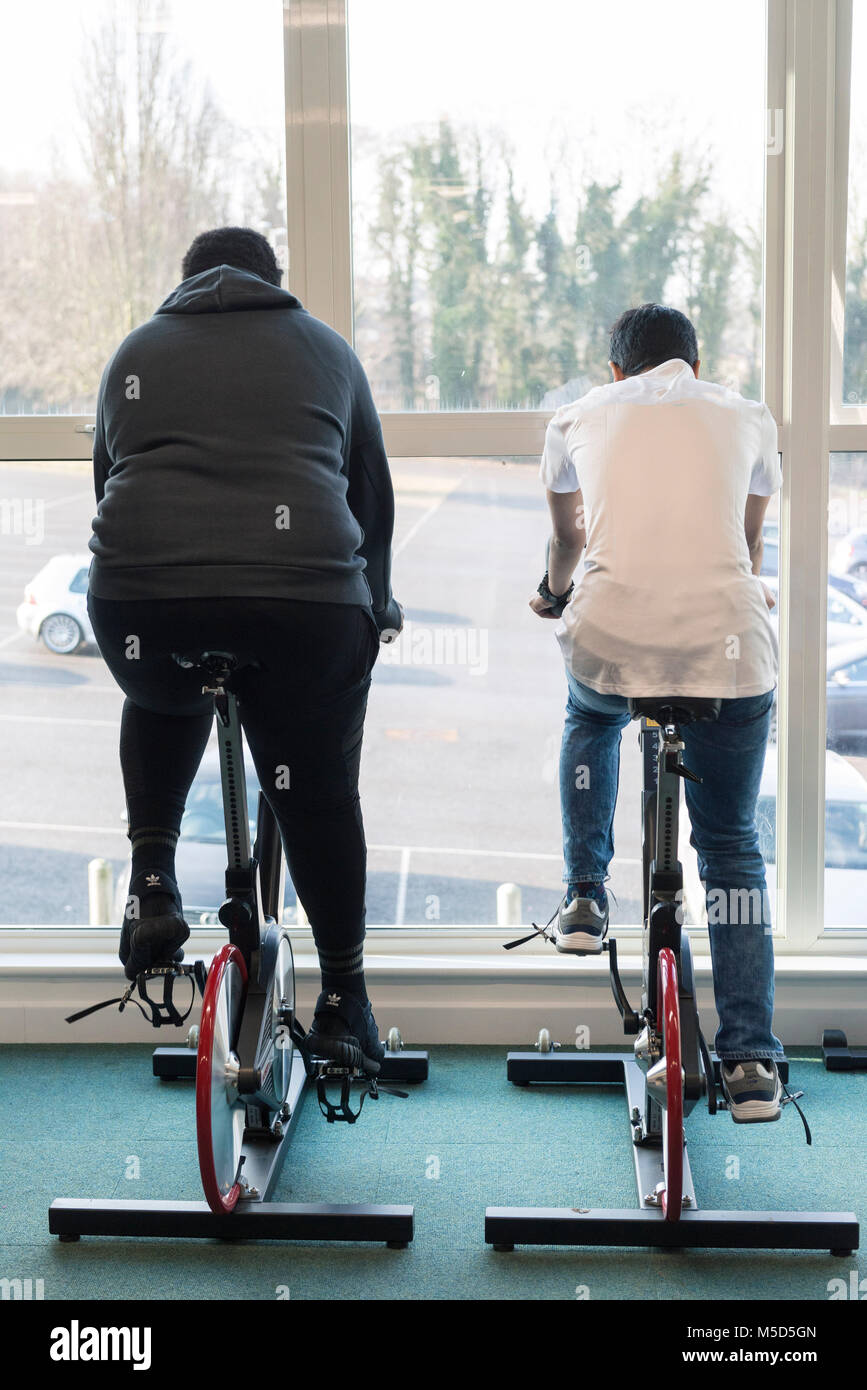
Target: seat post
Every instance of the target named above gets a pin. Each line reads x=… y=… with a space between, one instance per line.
x=233 y=777
x=218 y=667
x=669 y=746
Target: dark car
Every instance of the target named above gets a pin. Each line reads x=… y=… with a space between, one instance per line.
x=846 y=693
x=847 y=697
x=853 y=588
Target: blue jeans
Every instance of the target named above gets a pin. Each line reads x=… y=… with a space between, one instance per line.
x=728 y=755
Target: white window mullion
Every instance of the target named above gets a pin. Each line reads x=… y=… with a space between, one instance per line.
x=804 y=531
x=317 y=159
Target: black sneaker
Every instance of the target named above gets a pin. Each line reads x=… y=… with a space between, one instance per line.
x=582 y=924
x=147 y=941
x=344 y=1031
x=753 y=1089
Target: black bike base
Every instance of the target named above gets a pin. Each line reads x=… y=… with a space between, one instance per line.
x=560 y=1068
x=838 y=1055
x=179 y=1064
x=254 y=1218
x=645 y=1225
x=70 y=1219
x=835 y=1231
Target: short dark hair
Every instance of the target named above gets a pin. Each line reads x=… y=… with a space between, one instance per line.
x=241 y=247
x=645 y=337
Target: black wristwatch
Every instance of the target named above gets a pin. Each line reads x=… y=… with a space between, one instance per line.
x=557 y=601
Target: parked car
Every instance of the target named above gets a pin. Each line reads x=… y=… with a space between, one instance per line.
x=55 y=605
x=855 y=589
x=845 y=836
x=850 y=584
x=846 y=619
x=200 y=859
x=847 y=697
x=850 y=555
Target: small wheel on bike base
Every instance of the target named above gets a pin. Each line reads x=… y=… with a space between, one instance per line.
x=394 y=1042
x=220 y=1112
x=671 y=1198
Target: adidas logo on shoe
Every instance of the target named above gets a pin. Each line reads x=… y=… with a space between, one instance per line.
x=152 y=880
x=333 y=999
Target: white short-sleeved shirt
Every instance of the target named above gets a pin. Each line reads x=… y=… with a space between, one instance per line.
x=665 y=601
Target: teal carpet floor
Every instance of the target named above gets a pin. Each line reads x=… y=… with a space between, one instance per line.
x=93 y=1121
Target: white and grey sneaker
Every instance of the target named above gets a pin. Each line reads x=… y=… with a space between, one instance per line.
x=753 y=1090
x=582 y=926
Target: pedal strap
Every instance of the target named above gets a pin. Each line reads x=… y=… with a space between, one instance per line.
x=793 y=1100
x=541 y=931
x=156 y=1011
x=537 y=931
x=343 y=1110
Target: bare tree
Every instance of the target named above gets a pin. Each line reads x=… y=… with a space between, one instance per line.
x=95 y=255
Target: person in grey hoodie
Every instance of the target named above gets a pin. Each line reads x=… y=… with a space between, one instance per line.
x=244 y=503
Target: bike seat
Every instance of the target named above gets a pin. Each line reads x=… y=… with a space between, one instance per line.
x=674 y=709
x=214 y=662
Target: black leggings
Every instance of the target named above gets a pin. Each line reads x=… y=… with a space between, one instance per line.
x=302 y=711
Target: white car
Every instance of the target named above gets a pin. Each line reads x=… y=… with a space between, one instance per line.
x=846 y=620
x=845 y=837
x=55 y=605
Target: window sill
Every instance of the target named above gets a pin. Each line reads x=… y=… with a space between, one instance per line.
x=438 y=995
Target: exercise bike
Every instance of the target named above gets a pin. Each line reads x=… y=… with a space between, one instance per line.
x=252 y=1067
x=671 y=1068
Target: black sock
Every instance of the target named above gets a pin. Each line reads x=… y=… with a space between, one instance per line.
x=343 y=971
x=153 y=851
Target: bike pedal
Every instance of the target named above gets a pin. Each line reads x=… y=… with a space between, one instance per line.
x=342 y=1110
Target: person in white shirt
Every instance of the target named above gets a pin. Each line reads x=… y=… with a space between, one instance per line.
x=658 y=484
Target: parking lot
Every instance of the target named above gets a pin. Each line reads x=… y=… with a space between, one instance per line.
x=459 y=772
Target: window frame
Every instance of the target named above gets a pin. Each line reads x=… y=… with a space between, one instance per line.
x=808 y=60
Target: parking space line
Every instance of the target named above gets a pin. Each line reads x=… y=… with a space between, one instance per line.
x=72 y=497
x=484 y=853
x=405 y=851
x=423 y=519
x=400 y=910
x=50 y=825
x=55 y=719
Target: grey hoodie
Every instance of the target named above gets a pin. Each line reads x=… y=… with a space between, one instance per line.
x=237 y=453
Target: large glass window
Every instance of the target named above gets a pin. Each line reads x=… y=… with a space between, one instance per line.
x=126 y=127
x=520 y=177
x=846 y=687
x=517 y=180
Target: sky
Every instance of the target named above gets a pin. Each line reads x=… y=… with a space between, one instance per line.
x=572 y=71
x=575 y=74
x=576 y=88
x=239 y=47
